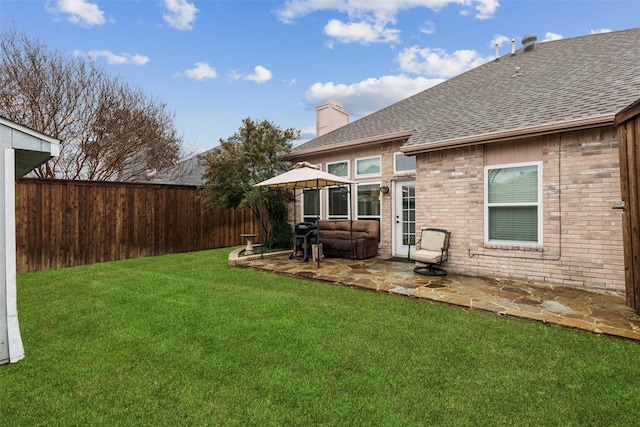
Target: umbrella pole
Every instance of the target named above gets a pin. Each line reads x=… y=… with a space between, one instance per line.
x=317 y=221
x=261 y=228
x=295 y=218
x=351 y=221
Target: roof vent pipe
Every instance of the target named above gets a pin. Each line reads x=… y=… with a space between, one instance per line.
x=497 y=51
x=529 y=42
x=513 y=46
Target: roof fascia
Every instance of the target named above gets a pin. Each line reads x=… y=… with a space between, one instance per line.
x=565 y=126
x=629 y=112
x=26 y=130
x=351 y=144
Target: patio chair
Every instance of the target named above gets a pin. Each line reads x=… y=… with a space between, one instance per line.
x=432 y=250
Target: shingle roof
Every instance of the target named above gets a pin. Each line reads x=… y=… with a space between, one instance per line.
x=586 y=78
x=187 y=172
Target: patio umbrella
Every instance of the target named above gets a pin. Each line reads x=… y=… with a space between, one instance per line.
x=304 y=175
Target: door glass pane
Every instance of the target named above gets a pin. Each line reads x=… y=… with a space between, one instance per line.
x=408 y=215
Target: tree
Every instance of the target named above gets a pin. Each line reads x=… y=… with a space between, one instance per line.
x=108 y=130
x=251 y=155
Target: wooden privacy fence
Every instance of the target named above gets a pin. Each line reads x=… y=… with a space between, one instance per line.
x=628 y=122
x=68 y=223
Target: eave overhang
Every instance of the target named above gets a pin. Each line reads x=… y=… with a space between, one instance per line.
x=32 y=148
x=510 y=135
x=379 y=139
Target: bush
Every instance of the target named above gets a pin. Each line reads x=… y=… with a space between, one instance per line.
x=281 y=236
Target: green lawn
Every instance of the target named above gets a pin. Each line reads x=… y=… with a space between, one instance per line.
x=184 y=340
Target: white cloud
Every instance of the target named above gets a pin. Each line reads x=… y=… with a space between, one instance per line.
x=548 y=37
x=428 y=28
x=437 y=62
x=180 y=14
x=306 y=133
x=234 y=75
x=369 y=95
x=361 y=32
x=112 y=58
x=600 y=31
x=486 y=8
x=260 y=75
x=80 y=12
x=382 y=10
x=499 y=40
x=373 y=21
x=202 y=71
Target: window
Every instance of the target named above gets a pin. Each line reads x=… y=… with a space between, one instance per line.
x=338 y=202
x=402 y=163
x=368 y=167
x=513 y=203
x=339 y=169
x=338 y=198
x=310 y=205
x=369 y=202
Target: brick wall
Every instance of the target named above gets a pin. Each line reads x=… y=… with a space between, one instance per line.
x=582 y=235
x=386 y=152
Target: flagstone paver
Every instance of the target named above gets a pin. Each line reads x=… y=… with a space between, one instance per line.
x=596 y=311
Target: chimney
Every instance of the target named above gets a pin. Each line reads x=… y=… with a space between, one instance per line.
x=529 y=42
x=330 y=116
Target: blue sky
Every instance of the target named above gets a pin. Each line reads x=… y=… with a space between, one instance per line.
x=216 y=62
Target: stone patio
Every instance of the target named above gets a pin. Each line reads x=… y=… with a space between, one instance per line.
x=602 y=312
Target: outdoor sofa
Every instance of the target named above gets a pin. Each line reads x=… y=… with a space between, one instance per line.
x=336 y=237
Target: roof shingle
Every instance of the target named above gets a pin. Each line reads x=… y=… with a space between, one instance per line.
x=583 y=78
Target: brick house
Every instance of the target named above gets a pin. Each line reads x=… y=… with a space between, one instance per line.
x=518 y=158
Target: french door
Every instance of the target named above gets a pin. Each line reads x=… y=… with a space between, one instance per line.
x=404 y=227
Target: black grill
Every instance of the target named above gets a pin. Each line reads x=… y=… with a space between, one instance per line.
x=305 y=232
x=304 y=228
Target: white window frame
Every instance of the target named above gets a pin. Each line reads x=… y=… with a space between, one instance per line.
x=396 y=171
x=487 y=205
x=341 y=161
x=376 y=217
x=348 y=214
x=368 y=174
x=302 y=216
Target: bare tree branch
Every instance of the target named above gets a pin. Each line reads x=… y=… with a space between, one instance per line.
x=109 y=130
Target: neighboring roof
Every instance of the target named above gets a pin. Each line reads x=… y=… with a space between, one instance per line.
x=565 y=84
x=186 y=172
x=303 y=175
x=32 y=148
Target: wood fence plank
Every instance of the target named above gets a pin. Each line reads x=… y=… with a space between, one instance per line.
x=629 y=150
x=68 y=223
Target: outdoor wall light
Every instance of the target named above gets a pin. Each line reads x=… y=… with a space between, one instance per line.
x=384 y=189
